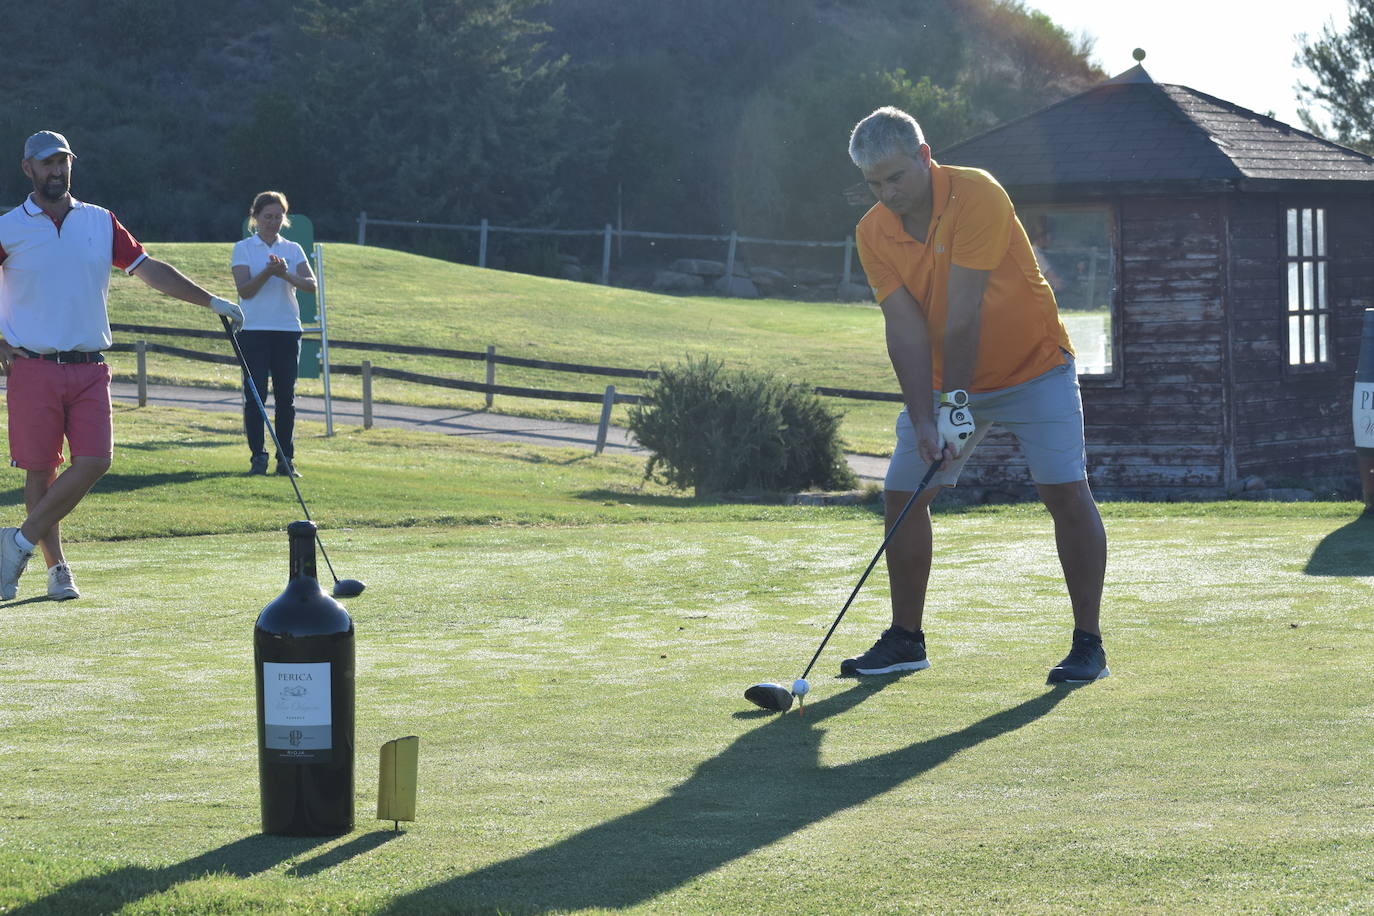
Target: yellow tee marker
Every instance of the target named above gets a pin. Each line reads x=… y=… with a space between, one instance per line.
x=398 y=776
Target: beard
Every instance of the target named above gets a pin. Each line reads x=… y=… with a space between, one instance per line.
x=54 y=189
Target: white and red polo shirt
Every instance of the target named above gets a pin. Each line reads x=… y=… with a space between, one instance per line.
x=54 y=277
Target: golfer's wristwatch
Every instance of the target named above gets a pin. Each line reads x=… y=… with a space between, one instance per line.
x=956 y=398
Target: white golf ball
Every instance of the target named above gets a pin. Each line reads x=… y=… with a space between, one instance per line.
x=800 y=687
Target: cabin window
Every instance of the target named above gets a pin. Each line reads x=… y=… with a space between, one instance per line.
x=1076 y=249
x=1309 y=317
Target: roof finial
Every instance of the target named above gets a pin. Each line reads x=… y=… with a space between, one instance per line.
x=1138 y=54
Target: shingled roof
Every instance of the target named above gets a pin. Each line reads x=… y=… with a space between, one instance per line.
x=1131 y=134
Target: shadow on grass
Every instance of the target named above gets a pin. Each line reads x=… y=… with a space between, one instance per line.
x=214 y=439
x=582 y=457
x=111 y=891
x=764 y=787
x=127 y=483
x=640 y=499
x=339 y=854
x=16 y=602
x=686 y=499
x=1347 y=551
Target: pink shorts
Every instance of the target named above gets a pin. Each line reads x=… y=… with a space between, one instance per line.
x=48 y=401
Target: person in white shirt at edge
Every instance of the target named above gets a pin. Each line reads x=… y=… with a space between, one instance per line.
x=268 y=270
x=55 y=259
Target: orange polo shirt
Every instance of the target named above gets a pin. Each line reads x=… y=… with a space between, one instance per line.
x=974 y=225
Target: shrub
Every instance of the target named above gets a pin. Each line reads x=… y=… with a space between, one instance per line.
x=724 y=431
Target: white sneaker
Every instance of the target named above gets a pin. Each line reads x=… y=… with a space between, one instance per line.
x=61 y=585
x=12 y=563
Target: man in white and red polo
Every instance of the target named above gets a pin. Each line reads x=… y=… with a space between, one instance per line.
x=55 y=259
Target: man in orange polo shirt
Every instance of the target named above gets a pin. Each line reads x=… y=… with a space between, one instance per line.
x=975 y=339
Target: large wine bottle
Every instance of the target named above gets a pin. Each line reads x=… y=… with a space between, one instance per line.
x=303 y=660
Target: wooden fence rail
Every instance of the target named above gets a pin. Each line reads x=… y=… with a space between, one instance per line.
x=490 y=357
x=411 y=350
x=401 y=375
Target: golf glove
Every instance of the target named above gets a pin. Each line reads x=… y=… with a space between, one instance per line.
x=955 y=421
x=228 y=310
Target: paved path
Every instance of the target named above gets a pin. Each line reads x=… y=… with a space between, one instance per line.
x=479 y=424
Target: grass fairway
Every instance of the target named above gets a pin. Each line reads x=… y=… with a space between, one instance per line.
x=572 y=650
x=375 y=294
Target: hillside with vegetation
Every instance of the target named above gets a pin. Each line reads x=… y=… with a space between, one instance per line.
x=698 y=117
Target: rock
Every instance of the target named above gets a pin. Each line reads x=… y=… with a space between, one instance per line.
x=677 y=282
x=841 y=498
x=808 y=277
x=736 y=288
x=699 y=267
x=570 y=271
x=766 y=275
x=1252 y=483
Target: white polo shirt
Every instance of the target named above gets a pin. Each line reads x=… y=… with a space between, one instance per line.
x=54 y=278
x=274 y=308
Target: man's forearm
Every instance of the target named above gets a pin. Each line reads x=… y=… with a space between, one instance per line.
x=910 y=355
x=165 y=278
x=961 y=352
x=908 y=346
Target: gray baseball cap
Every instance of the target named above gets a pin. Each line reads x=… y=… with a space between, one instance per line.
x=44 y=143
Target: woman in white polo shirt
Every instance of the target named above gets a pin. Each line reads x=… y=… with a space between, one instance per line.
x=268 y=270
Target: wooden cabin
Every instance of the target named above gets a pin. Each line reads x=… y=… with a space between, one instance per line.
x=1212 y=265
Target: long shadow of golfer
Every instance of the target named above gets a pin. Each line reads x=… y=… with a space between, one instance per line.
x=1347 y=551
x=123 y=483
x=213 y=439
x=109 y=892
x=765 y=786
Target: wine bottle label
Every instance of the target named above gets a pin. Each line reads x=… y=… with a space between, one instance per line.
x=1364 y=414
x=296 y=711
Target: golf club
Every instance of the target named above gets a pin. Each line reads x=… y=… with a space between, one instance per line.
x=778 y=697
x=343 y=588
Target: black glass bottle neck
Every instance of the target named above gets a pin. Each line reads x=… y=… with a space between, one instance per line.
x=302 y=556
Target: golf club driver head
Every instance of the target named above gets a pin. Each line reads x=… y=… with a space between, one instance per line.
x=348 y=588
x=770 y=696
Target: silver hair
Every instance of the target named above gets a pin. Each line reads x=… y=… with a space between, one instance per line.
x=885 y=133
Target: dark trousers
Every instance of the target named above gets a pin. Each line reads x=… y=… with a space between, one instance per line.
x=275 y=354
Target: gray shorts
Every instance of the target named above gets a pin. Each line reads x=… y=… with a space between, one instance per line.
x=1045 y=415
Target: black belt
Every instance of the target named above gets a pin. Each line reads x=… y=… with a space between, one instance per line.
x=69 y=357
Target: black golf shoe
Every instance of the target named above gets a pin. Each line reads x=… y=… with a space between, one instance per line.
x=258 y=465
x=896 y=650
x=1086 y=661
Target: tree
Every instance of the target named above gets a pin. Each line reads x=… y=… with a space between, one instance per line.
x=792 y=164
x=435 y=109
x=1342 y=64
x=1019 y=60
x=146 y=91
x=728 y=115
x=672 y=81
